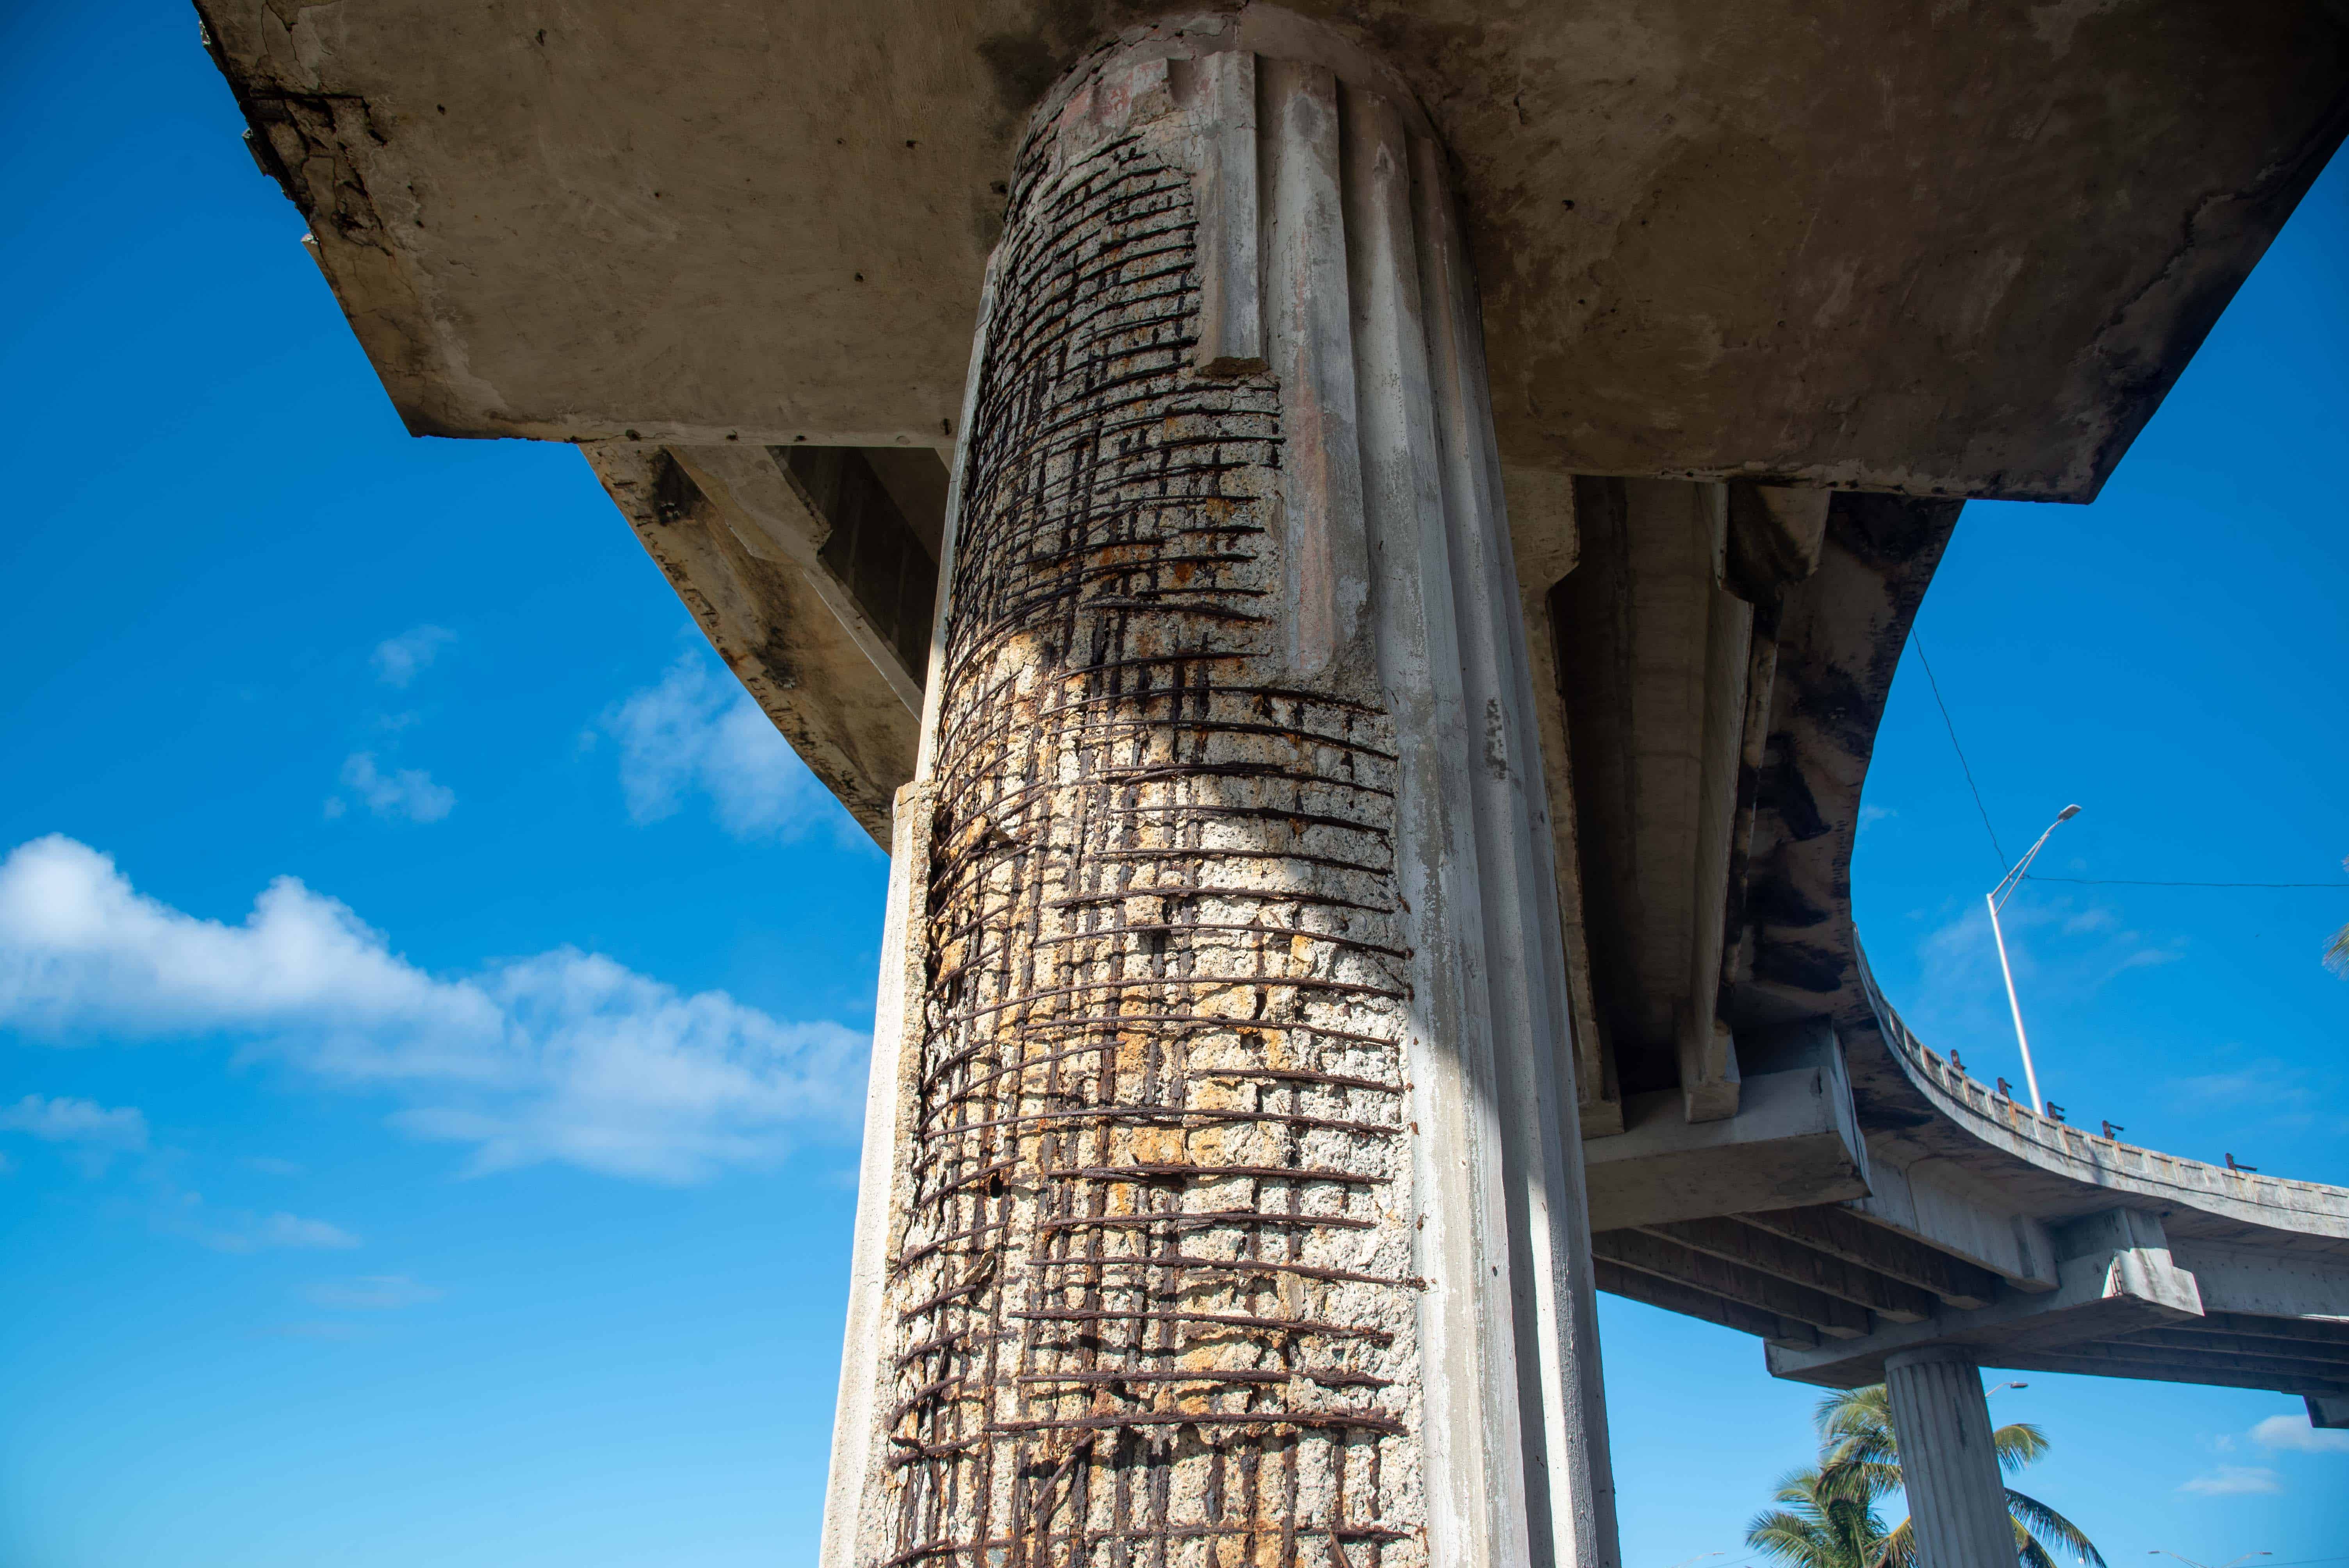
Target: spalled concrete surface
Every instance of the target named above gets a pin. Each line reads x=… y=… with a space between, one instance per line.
x=1932 y=248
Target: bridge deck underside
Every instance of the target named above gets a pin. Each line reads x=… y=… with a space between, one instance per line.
x=1802 y=1278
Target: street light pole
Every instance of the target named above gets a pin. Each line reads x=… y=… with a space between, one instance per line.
x=1995 y=898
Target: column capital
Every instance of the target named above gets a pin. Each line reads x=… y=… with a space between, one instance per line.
x=1933 y=1356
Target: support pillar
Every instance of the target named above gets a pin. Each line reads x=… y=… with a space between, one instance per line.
x=1222 y=1202
x=1957 y=1499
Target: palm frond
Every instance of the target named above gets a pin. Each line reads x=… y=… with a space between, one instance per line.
x=1861 y=1448
x=2018 y=1444
x=1899 y=1548
x=1870 y=1483
x=1829 y=1521
x=1789 y=1538
x=1800 y=1486
x=2037 y=1519
x=1855 y=1425
x=2028 y=1549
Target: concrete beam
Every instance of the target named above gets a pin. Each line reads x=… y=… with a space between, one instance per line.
x=2329 y=1332
x=1671 y=1295
x=1649 y=1254
x=1708 y=1054
x=1793 y=1142
x=1733 y=1241
x=1840 y=1233
x=1546 y=544
x=2267 y=1284
x=823 y=513
x=1658 y=649
x=2113 y=1275
x=2244 y=1346
x=1935 y=1203
x=2329 y=1410
x=2125 y=1359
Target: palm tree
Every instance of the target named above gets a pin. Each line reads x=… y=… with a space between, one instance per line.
x=1832 y=1522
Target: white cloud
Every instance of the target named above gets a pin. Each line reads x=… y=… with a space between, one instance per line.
x=2294 y=1432
x=244 y=1232
x=1871 y=815
x=2062 y=954
x=409 y=793
x=283 y=1230
x=567 y=1056
x=2262 y=1083
x=121 y=1131
x=700 y=732
x=399 y=660
x=2234 y=1480
x=179 y=1211
x=371 y=1293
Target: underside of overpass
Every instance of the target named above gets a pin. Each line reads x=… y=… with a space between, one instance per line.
x=1432 y=388
x=1823 y=1180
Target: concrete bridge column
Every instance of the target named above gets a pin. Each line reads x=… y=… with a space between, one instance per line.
x=1217 y=1206
x=1956 y=1495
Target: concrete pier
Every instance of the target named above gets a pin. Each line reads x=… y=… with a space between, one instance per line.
x=1957 y=1499
x=1225 y=1214
x=1223 y=1191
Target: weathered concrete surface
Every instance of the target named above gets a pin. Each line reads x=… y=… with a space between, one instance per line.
x=1792 y=1143
x=1226 y=1211
x=1937 y=249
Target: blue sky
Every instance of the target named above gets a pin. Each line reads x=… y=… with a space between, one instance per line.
x=486 y=1199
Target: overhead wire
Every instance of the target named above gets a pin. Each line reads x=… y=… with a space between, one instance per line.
x=1918 y=643
x=1950 y=725
x=2133 y=882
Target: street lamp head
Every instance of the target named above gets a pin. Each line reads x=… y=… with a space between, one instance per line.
x=2067 y=813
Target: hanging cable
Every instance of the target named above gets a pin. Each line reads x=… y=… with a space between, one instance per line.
x=2131 y=882
x=1918 y=643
